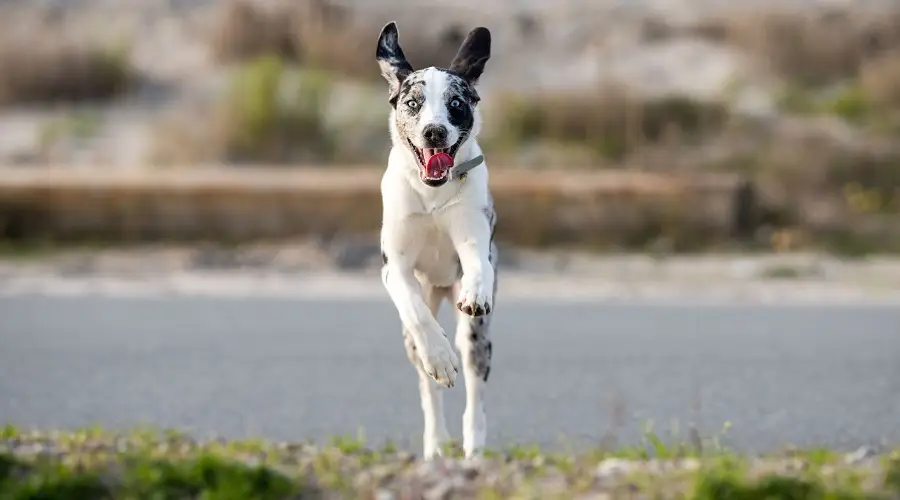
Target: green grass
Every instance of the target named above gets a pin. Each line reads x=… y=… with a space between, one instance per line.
x=146 y=463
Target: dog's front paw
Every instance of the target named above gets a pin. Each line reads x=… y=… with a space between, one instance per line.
x=440 y=361
x=474 y=301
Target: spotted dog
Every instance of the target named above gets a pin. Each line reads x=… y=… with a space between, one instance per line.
x=437 y=236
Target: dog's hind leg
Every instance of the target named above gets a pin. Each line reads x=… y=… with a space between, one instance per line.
x=474 y=343
x=435 y=433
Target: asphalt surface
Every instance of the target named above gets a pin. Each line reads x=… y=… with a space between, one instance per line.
x=563 y=374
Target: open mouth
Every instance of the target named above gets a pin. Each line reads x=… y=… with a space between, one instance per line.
x=434 y=163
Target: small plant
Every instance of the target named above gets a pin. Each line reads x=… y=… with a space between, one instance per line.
x=275 y=113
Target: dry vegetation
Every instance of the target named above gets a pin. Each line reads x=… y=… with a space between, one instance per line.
x=807 y=48
x=95 y=463
x=612 y=122
x=320 y=35
x=58 y=69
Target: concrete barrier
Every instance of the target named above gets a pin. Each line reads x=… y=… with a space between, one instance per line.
x=600 y=208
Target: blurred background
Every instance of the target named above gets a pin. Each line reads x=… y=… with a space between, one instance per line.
x=677 y=126
x=688 y=149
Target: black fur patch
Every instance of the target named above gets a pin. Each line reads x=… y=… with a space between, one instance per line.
x=392 y=61
x=460 y=105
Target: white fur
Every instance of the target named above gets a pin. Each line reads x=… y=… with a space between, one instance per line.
x=434 y=112
x=424 y=231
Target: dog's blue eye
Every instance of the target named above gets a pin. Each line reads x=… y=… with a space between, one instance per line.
x=455 y=103
x=412 y=104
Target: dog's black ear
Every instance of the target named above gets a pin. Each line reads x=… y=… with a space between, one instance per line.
x=473 y=54
x=394 y=66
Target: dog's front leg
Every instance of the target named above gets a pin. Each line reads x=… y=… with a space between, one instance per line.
x=470 y=231
x=439 y=359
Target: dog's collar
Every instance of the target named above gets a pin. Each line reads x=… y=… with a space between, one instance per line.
x=460 y=171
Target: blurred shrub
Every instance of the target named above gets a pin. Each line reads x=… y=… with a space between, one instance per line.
x=833 y=176
x=53 y=69
x=245 y=31
x=808 y=49
x=323 y=36
x=273 y=113
x=612 y=122
x=880 y=80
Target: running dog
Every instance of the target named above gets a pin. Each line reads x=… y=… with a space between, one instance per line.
x=437 y=235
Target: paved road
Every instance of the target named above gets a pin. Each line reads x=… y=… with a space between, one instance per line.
x=295 y=370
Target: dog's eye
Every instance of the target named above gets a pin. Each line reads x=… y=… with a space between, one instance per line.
x=455 y=103
x=412 y=104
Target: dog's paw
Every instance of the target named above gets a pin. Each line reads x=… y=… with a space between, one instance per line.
x=440 y=361
x=474 y=301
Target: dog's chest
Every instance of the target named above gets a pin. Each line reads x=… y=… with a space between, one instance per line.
x=437 y=261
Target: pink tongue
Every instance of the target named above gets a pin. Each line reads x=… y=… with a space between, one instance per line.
x=437 y=165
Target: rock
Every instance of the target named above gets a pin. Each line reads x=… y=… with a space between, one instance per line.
x=860 y=455
x=613 y=467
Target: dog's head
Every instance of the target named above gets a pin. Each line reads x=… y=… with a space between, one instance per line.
x=434 y=109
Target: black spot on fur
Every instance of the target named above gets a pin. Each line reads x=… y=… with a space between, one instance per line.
x=457 y=99
x=383 y=257
x=489 y=354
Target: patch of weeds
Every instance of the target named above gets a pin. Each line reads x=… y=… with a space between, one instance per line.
x=9 y=431
x=349 y=445
x=207 y=476
x=77 y=125
x=797 y=99
x=389 y=447
x=453 y=449
x=276 y=113
x=869 y=181
x=7 y=465
x=892 y=472
x=163 y=465
x=849 y=102
x=523 y=452
x=56 y=483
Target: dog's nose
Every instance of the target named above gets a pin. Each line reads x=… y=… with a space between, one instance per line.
x=436 y=135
